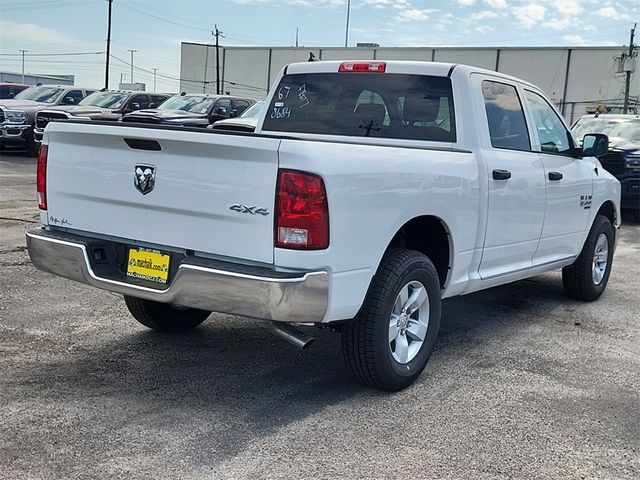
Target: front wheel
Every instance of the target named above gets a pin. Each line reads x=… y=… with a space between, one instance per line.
x=587 y=278
x=164 y=316
x=32 y=147
x=390 y=341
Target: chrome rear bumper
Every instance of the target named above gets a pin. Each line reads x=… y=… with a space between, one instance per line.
x=199 y=283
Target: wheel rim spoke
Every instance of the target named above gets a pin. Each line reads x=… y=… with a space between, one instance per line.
x=393 y=328
x=402 y=348
x=415 y=301
x=417 y=330
x=401 y=300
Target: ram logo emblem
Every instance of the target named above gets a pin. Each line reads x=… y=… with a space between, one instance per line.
x=144 y=178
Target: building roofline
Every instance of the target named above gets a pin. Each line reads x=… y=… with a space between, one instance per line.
x=435 y=47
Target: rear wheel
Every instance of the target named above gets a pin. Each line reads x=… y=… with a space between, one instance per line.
x=390 y=341
x=587 y=278
x=164 y=316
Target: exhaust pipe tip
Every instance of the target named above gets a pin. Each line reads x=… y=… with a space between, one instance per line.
x=293 y=335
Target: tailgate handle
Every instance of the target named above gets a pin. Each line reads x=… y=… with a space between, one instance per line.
x=143 y=144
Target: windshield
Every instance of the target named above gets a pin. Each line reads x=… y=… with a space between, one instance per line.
x=105 y=100
x=625 y=128
x=188 y=104
x=254 y=110
x=40 y=94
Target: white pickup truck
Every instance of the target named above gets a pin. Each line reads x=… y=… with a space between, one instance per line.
x=368 y=192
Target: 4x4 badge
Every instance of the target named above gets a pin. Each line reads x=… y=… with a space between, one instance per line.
x=144 y=178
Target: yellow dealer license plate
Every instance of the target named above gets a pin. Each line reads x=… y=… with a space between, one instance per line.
x=151 y=265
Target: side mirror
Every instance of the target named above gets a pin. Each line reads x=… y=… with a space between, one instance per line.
x=135 y=106
x=233 y=114
x=595 y=145
x=68 y=101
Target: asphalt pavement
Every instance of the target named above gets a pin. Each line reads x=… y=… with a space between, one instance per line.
x=523 y=383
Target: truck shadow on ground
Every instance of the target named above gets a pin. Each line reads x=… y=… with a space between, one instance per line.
x=232 y=381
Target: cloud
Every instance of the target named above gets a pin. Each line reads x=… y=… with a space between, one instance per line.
x=28 y=32
x=611 y=12
x=567 y=8
x=412 y=15
x=497 y=4
x=530 y=15
x=558 y=24
x=465 y=3
x=574 y=39
x=484 y=15
x=387 y=3
x=483 y=29
x=304 y=3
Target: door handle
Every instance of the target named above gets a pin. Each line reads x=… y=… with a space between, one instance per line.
x=501 y=174
x=555 y=176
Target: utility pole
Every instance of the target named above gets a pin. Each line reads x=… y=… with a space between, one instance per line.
x=154 y=79
x=106 y=67
x=217 y=34
x=132 y=52
x=121 y=75
x=296 y=37
x=346 y=30
x=23 y=52
x=630 y=56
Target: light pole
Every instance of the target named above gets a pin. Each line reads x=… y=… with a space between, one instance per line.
x=154 y=79
x=346 y=30
x=23 y=52
x=106 y=66
x=132 y=52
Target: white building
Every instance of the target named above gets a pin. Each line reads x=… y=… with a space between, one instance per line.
x=573 y=77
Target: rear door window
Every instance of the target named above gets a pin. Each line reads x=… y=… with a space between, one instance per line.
x=413 y=107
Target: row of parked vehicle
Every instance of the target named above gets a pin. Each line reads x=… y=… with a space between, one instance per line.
x=24 y=117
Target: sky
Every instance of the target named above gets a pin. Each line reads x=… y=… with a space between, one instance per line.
x=69 y=36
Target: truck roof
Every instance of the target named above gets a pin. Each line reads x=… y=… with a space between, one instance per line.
x=438 y=69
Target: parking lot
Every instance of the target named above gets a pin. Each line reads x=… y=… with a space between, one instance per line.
x=523 y=383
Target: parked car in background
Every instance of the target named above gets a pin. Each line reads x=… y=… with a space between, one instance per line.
x=18 y=115
x=244 y=123
x=623 y=158
x=10 y=90
x=105 y=105
x=192 y=110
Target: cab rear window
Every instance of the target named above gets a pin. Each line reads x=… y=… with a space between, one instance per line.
x=412 y=107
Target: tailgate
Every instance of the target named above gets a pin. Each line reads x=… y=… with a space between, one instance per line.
x=203 y=180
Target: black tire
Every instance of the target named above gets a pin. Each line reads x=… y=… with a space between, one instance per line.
x=365 y=340
x=577 y=279
x=32 y=147
x=163 y=316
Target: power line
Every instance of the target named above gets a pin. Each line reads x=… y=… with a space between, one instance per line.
x=51 y=54
x=44 y=5
x=163 y=19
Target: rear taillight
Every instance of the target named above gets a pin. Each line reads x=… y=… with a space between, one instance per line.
x=42 y=177
x=363 y=67
x=302 y=215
